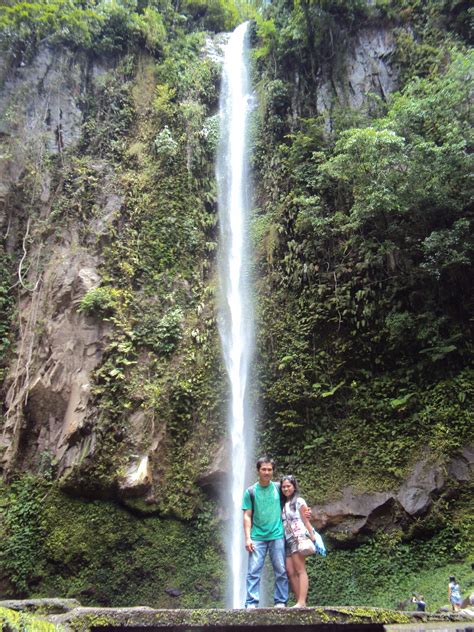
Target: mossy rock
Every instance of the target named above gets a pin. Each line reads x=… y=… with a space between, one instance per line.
x=14 y=621
x=41 y=606
x=139 y=507
x=83 y=619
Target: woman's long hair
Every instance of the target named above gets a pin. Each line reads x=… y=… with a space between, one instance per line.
x=294 y=497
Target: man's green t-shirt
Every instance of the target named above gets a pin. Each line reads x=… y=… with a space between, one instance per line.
x=266 y=517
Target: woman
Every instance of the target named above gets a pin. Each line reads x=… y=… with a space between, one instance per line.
x=454 y=593
x=296 y=525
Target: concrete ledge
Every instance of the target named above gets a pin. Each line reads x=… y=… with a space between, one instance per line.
x=66 y=616
x=348 y=619
x=41 y=606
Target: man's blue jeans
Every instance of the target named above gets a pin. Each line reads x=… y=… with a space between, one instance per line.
x=276 y=550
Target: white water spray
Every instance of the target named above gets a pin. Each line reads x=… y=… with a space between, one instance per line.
x=235 y=316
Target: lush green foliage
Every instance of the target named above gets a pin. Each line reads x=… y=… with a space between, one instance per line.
x=212 y=15
x=108 y=26
x=364 y=246
x=22 y=533
x=100 y=301
x=33 y=21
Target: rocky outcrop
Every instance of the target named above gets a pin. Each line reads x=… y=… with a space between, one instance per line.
x=351 y=513
x=214 y=479
x=137 y=479
x=40 y=114
x=49 y=384
x=357 y=514
x=365 y=68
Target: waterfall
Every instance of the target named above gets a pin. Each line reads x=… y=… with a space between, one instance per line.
x=235 y=313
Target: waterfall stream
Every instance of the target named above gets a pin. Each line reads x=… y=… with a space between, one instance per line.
x=236 y=313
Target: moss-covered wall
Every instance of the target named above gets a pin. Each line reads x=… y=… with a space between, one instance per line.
x=100 y=553
x=363 y=239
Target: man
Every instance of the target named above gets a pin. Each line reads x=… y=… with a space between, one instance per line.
x=264 y=534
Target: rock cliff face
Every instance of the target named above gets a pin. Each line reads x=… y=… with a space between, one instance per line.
x=48 y=385
x=60 y=207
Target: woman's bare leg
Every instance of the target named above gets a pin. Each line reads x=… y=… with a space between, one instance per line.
x=301 y=579
x=292 y=577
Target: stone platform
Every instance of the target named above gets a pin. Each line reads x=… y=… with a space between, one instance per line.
x=68 y=616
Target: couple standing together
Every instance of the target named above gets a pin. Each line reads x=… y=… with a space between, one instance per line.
x=275 y=517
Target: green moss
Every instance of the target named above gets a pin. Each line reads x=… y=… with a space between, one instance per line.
x=101 y=554
x=140 y=507
x=87 y=622
x=13 y=621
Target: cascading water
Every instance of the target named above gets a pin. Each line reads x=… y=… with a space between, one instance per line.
x=235 y=314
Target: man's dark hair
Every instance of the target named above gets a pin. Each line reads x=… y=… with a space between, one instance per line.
x=265 y=459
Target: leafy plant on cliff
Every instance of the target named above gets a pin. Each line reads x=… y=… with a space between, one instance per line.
x=23 y=532
x=100 y=301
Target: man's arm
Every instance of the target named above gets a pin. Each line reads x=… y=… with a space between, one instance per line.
x=247 y=526
x=305 y=514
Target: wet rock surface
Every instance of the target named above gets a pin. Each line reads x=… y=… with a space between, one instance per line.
x=214 y=479
x=40 y=109
x=49 y=386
